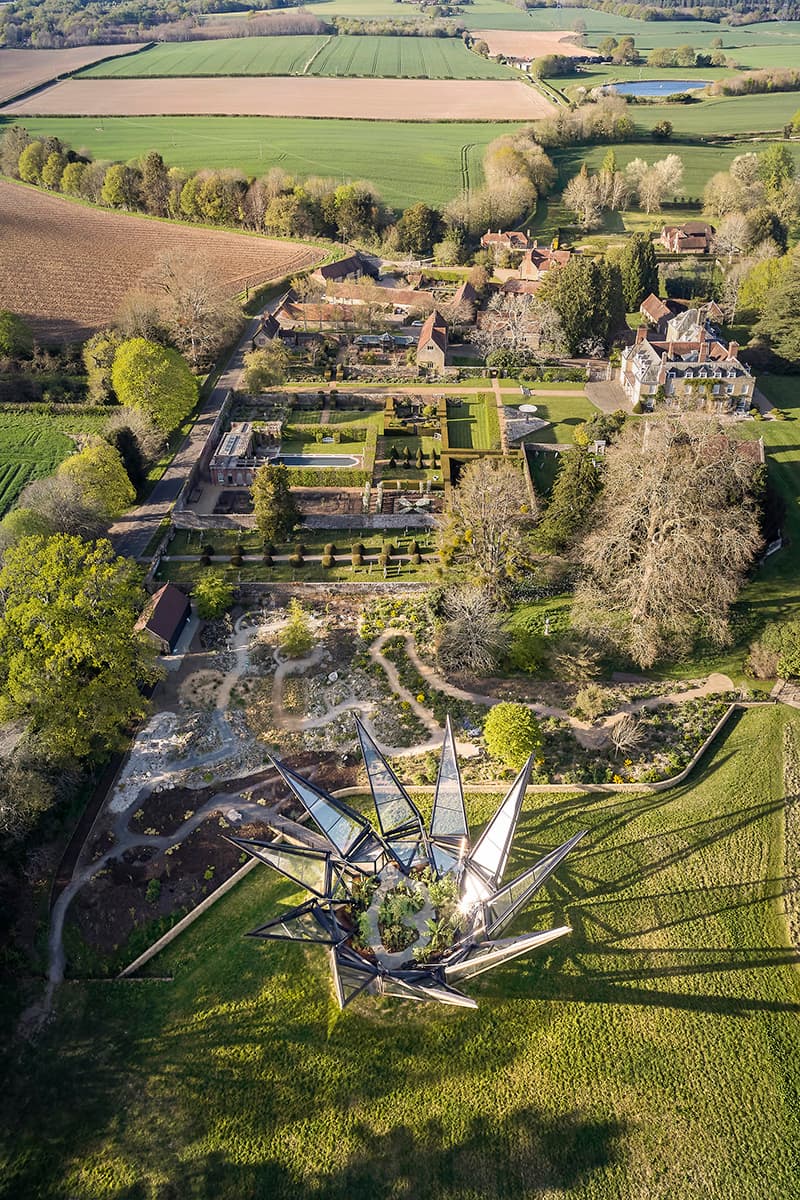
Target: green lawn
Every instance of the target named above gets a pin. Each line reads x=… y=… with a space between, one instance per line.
x=32 y=446
x=565 y=413
x=408 y=58
x=407 y=161
x=652 y=1053
x=472 y=425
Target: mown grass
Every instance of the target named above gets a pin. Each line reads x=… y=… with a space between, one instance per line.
x=652 y=1053
x=407 y=161
x=472 y=424
x=565 y=414
x=343 y=56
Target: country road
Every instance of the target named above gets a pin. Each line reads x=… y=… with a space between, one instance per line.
x=133 y=532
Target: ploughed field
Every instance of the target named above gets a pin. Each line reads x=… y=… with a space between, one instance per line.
x=378 y=99
x=652 y=1053
x=65 y=267
x=24 y=69
x=306 y=54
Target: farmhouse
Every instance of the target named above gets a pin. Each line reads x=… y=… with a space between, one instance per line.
x=432 y=344
x=164 y=617
x=510 y=240
x=693 y=237
x=655 y=311
x=537 y=261
x=690 y=366
x=466 y=296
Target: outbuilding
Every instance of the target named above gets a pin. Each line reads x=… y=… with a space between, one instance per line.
x=164 y=617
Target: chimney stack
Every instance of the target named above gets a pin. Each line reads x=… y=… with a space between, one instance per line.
x=733 y=349
x=641 y=334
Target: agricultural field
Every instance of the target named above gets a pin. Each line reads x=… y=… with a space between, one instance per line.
x=373 y=57
x=406 y=161
x=32 y=446
x=383 y=99
x=651 y=1053
x=21 y=70
x=47 y=277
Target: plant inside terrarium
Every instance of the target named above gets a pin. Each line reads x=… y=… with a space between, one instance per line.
x=396 y=930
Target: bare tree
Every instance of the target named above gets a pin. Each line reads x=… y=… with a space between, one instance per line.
x=676 y=528
x=473 y=636
x=61 y=501
x=140 y=316
x=582 y=196
x=199 y=314
x=485 y=527
x=625 y=735
x=519 y=323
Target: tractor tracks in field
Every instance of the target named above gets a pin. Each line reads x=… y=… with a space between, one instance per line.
x=316 y=54
x=465 y=153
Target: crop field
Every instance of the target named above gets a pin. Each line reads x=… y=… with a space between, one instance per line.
x=406 y=161
x=376 y=57
x=723 y=115
x=32 y=446
x=47 y=277
x=652 y=1053
x=290 y=96
x=21 y=70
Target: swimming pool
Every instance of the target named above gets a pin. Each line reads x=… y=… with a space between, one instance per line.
x=658 y=87
x=317 y=460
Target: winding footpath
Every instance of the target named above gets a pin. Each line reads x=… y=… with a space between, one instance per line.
x=125 y=839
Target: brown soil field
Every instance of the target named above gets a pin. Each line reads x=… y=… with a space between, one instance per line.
x=21 y=70
x=296 y=96
x=65 y=267
x=513 y=44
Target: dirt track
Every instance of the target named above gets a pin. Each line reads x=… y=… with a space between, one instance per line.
x=306 y=96
x=24 y=69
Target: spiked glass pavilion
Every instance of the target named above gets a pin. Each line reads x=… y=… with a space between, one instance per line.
x=354 y=865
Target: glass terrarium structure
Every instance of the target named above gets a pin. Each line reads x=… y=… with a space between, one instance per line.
x=407 y=909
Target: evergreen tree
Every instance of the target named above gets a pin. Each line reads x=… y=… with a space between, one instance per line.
x=780 y=316
x=576 y=486
x=638 y=269
x=275 y=510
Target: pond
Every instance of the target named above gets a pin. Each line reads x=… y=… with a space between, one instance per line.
x=658 y=87
x=317 y=460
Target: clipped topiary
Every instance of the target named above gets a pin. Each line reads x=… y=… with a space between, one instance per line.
x=512 y=733
x=267 y=560
x=357 y=559
x=329 y=548
x=296 y=560
x=416 y=559
x=236 y=560
x=205 y=561
x=328 y=561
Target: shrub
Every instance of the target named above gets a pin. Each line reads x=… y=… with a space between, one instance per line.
x=207 y=549
x=357 y=548
x=267 y=560
x=153 y=891
x=328 y=561
x=383 y=560
x=236 y=560
x=357 y=559
x=416 y=559
x=212 y=595
x=299 y=549
x=296 y=560
x=591 y=701
x=205 y=561
x=512 y=733
x=527 y=651
x=413 y=547
x=329 y=548
x=388 y=549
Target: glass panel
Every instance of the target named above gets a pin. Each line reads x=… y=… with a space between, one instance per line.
x=406 y=852
x=442 y=861
x=449 y=818
x=306 y=867
x=393 y=806
x=503 y=953
x=349 y=979
x=436 y=991
x=492 y=848
x=509 y=900
x=298 y=925
x=342 y=828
